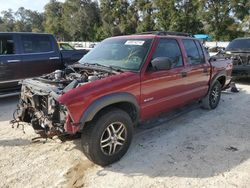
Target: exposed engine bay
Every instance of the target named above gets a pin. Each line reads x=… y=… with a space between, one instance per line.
x=38 y=104
x=74 y=76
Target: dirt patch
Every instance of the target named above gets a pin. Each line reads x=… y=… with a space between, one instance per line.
x=198 y=149
x=75 y=175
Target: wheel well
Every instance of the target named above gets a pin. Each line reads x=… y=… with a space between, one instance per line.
x=222 y=80
x=125 y=106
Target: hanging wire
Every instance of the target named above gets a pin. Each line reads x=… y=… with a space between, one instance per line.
x=16 y=122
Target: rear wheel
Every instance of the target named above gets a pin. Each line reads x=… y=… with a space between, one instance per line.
x=212 y=99
x=107 y=138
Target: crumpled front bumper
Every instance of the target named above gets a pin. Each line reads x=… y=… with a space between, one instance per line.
x=40 y=108
x=241 y=65
x=241 y=71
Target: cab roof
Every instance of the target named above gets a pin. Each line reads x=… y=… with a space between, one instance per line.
x=156 y=34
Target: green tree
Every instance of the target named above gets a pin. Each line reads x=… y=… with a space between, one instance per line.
x=22 y=23
x=81 y=19
x=241 y=13
x=187 y=19
x=245 y=26
x=118 y=17
x=218 y=20
x=36 y=20
x=165 y=13
x=53 y=19
x=1 y=24
x=107 y=19
x=240 y=9
x=8 y=20
x=145 y=11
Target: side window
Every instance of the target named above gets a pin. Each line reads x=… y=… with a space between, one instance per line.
x=192 y=52
x=198 y=44
x=36 y=44
x=6 y=45
x=169 y=48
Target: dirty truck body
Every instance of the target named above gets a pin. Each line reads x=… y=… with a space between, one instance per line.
x=121 y=82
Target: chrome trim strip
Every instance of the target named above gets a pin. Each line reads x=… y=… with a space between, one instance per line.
x=52 y=58
x=9 y=81
x=9 y=94
x=14 y=61
x=41 y=53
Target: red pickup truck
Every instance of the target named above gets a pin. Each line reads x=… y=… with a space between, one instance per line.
x=123 y=81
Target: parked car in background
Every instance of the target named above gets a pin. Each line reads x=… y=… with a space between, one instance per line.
x=26 y=55
x=215 y=50
x=78 y=46
x=70 y=54
x=239 y=51
x=119 y=83
x=65 y=46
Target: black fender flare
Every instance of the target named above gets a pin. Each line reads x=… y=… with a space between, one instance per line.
x=218 y=75
x=105 y=101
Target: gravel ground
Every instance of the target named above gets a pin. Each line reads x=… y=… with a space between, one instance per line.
x=198 y=149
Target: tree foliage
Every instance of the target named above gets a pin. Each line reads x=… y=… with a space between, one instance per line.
x=95 y=20
x=53 y=22
x=80 y=18
x=118 y=17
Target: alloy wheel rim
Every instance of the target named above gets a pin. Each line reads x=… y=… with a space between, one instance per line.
x=113 y=138
x=215 y=95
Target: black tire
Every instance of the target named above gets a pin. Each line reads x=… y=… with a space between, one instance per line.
x=100 y=129
x=212 y=99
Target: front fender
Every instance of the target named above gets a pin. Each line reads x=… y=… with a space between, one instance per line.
x=105 y=101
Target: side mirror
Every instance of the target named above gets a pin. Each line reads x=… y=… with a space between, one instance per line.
x=161 y=63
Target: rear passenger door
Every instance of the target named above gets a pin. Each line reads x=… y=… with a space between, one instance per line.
x=39 y=54
x=198 y=69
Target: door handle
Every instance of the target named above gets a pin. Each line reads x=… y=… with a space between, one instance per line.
x=14 y=61
x=52 y=58
x=183 y=74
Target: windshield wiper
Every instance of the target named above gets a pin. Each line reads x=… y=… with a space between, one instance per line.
x=118 y=69
x=106 y=66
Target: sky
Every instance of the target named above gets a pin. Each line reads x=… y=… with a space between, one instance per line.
x=37 y=5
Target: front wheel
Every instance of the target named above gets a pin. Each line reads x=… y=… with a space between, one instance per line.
x=212 y=99
x=107 y=138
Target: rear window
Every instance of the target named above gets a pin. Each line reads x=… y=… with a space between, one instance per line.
x=202 y=57
x=239 y=45
x=6 y=45
x=36 y=44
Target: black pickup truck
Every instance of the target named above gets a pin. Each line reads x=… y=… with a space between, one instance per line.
x=26 y=55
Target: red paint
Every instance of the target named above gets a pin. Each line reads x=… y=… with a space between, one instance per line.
x=155 y=92
x=69 y=127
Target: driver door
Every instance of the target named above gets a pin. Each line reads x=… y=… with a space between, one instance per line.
x=163 y=90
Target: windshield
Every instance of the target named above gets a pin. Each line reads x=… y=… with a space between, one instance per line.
x=65 y=46
x=120 y=53
x=239 y=45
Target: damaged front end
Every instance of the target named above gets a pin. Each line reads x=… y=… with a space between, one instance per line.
x=39 y=104
x=42 y=110
x=241 y=63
